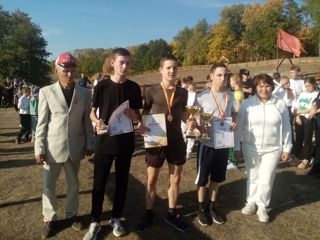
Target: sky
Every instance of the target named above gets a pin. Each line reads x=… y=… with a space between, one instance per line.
x=76 y=24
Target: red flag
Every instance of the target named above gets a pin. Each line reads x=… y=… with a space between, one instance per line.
x=288 y=43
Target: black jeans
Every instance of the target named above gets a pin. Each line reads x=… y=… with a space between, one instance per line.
x=102 y=166
x=25 y=128
x=303 y=143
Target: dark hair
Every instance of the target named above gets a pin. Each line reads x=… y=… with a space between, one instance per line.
x=120 y=52
x=265 y=78
x=244 y=71
x=312 y=81
x=217 y=65
x=166 y=58
x=295 y=68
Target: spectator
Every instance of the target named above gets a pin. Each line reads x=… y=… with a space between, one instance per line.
x=24 y=113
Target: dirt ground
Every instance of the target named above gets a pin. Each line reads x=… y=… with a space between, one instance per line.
x=294 y=208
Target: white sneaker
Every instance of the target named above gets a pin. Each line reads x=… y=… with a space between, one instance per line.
x=249 y=209
x=118 y=229
x=231 y=166
x=263 y=215
x=92 y=234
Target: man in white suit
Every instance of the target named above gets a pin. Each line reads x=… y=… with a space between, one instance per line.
x=63 y=138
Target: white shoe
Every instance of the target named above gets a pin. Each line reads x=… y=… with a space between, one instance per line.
x=118 y=229
x=263 y=215
x=92 y=234
x=249 y=209
x=231 y=166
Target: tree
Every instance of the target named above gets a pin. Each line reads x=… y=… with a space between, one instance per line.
x=197 y=47
x=312 y=8
x=231 y=17
x=261 y=22
x=180 y=43
x=292 y=17
x=22 y=48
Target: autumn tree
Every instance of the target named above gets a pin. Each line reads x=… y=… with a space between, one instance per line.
x=312 y=8
x=197 y=48
x=261 y=22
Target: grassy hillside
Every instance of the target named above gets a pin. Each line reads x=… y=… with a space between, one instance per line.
x=199 y=73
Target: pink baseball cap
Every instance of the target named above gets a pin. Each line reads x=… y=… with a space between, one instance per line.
x=66 y=60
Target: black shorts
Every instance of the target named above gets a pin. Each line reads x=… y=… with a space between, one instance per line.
x=155 y=157
x=211 y=162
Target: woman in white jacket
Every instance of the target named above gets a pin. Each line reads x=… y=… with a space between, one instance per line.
x=264 y=129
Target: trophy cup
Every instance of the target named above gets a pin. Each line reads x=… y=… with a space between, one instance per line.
x=207 y=117
x=193 y=111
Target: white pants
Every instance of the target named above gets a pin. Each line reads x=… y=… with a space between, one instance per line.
x=261 y=169
x=49 y=200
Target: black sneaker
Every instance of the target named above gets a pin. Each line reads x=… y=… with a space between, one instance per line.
x=46 y=230
x=204 y=219
x=216 y=215
x=144 y=223
x=176 y=222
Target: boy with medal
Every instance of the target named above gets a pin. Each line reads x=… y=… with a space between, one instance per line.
x=213 y=162
x=171 y=100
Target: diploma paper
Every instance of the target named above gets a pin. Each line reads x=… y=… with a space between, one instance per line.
x=222 y=135
x=118 y=122
x=157 y=136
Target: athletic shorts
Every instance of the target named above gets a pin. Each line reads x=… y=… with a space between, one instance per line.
x=211 y=162
x=155 y=157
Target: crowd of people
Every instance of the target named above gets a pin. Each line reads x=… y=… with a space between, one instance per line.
x=259 y=120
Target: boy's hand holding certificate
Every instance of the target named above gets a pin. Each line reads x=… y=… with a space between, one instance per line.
x=119 y=123
x=157 y=136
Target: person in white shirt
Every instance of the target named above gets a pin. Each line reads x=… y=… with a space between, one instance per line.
x=304 y=126
x=263 y=125
x=296 y=84
x=25 y=117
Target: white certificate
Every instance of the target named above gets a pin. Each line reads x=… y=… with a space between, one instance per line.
x=157 y=136
x=191 y=98
x=119 y=123
x=222 y=135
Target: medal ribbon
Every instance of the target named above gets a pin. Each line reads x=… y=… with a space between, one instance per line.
x=169 y=103
x=215 y=98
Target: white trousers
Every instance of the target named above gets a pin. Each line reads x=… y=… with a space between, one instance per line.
x=261 y=169
x=49 y=199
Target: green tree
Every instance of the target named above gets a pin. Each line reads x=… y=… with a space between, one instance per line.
x=180 y=43
x=231 y=17
x=312 y=8
x=138 y=58
x=22 y=48
x=292 y=17
x=197 y=47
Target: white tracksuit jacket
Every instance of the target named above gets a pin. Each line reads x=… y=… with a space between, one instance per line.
x=263 y=127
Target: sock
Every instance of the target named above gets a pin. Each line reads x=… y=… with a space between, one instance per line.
x=212 y=204
x=172 y=211
x=201 y=206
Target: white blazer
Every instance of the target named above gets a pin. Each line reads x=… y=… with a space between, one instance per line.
x=63 y=131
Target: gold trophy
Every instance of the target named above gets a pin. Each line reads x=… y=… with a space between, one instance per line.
x=193 y=111
x=207 y=117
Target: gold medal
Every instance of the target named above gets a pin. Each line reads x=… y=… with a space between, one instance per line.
x=170 y=118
